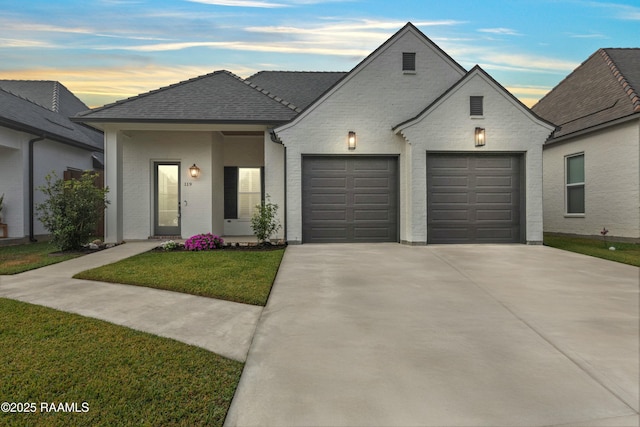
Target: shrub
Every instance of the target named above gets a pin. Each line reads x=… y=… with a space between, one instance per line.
x=203 y=242
x=72 y=210
x=265 y=221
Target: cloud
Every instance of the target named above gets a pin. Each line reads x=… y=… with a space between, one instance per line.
x=621 y=11
x=99 y=86
x=500 y=31
x=241 y=3
x=587 y=36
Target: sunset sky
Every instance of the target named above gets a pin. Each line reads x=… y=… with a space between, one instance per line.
x=105 y=50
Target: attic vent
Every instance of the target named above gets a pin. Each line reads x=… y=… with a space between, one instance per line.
x=408 y=61
x=475 y=105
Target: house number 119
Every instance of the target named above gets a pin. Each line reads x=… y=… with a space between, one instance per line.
x=188 y=184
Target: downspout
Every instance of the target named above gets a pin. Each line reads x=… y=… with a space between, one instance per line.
x=31 y=213
x=275 y=138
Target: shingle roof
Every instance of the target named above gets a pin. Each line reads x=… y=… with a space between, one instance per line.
x=603 y=88
x=21 y=108
x=300 y=88
x=219 y=97
x=47 y=93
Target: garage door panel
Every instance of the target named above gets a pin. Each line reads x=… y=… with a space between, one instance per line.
x=372 y=234
x=328 y=215
x=493 y=215
x=372 y=199
x=328 y=199
x=450 y=181
x=365 y=189
x=495 y=181
x=328 y=182
x=499 y=198
x=473 y=198
x=450 y=215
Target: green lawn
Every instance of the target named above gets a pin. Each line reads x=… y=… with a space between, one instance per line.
x=20 y=258
x=628 y=253
x=233 y=275
x=124 y=376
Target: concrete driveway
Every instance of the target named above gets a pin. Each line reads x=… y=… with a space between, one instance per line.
x=455 y=335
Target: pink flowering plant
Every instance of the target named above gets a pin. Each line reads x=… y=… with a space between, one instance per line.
x=203 y=242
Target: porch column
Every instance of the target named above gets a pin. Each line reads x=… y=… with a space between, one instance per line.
x=113 y=232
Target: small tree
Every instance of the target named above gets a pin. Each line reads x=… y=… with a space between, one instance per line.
x=72 y=210
x=265 y=220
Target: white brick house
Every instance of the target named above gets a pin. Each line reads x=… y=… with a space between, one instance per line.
x=414 y=173
x=592 y=161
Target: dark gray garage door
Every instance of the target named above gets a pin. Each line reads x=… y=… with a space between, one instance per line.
x=349 y=199
x=473 y=198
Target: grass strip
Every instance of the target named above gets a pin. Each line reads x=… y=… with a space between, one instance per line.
x=21 y=258
x=125 y=377
x=627 y=253
x=232 y=275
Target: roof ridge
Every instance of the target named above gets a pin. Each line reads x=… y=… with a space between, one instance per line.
x=276 y=98
x=55 y=104
x=151 y=92
x=617 y=74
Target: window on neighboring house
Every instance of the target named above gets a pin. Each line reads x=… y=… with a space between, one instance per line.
x=243 y=188
x=575 y=184
x=408 y=61
x=475 y=106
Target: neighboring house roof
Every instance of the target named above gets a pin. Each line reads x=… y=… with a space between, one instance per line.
x=22 y=108
x=50 y=94
x=300 y=88
x=604 y=88
x=218 y=97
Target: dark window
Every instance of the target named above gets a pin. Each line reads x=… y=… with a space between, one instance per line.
x=408 y=61
x=475 y=106
x=243 y=189
x=575 y=184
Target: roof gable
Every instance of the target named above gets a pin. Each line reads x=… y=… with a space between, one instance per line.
x=475 y=71
x=219 y=97
x=600 y=90
x=408 y=29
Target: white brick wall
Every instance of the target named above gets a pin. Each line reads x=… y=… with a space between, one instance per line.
x=379 y=96
x=373 y=99
x=612 y=183
x=449 y=127
x=14 y=177
x=140 y=151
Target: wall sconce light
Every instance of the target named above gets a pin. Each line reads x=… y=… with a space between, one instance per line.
x=480 y=137
x=194 y=171
x=351 y=140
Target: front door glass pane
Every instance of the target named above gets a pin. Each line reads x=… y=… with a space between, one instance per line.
x=168 y=201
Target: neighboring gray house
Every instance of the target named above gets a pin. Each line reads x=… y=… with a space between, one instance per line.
x=406 y=147
x=36 y=138
x=592 y=161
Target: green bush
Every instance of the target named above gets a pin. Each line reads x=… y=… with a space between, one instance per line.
x=265 y=221
x=72 y=210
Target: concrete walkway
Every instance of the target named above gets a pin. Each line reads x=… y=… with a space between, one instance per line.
x=222 y=327
x=455 y=335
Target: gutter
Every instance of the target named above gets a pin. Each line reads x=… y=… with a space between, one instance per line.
x=31 y=213
x=594 y=128
x=276 y=139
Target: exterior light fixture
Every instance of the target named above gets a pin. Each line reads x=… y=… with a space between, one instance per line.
x=194 y=171
x=480 y=137
x=351 y=140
